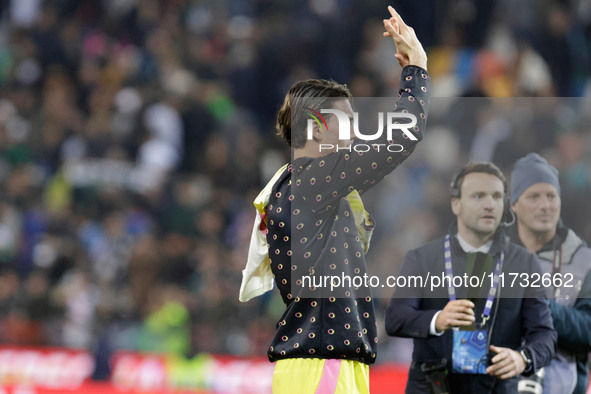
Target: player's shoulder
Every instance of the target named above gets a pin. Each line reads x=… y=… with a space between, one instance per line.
x=282 y=183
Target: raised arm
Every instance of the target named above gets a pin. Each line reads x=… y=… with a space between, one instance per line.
x=410 y=52
x=334 y=175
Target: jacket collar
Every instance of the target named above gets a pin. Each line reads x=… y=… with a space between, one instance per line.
x=564 y=240
x=500 y=239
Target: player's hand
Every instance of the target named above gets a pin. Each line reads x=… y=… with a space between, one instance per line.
x=409 y=49
x=458 y=313
x=506 y=363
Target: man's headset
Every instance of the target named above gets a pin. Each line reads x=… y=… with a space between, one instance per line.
x=508 y=216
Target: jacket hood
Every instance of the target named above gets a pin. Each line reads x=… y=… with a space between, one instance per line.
x=571 y=243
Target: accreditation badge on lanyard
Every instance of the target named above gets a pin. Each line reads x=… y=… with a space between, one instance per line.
x=469 y=353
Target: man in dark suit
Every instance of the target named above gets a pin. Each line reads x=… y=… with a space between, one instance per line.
x=473 y=336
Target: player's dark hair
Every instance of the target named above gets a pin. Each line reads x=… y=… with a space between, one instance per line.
x=311 y=93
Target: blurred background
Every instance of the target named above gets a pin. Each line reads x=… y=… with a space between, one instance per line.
x=135 y=134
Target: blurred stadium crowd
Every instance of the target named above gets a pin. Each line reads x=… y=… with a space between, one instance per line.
x=134 y=136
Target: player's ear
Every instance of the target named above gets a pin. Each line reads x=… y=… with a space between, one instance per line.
x=317 y=133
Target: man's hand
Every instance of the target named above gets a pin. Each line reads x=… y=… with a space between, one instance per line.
x=506 y=364
x=410 y=50
x=458 y=313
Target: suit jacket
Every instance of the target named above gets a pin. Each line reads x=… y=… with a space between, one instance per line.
x=520 y=316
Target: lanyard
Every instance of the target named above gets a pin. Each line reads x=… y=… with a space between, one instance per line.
x=557 y=268
x=493 y=288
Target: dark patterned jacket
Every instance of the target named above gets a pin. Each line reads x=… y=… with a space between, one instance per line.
x=312 y=232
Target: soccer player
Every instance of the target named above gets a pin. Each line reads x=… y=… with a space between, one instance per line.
x=311 y=222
